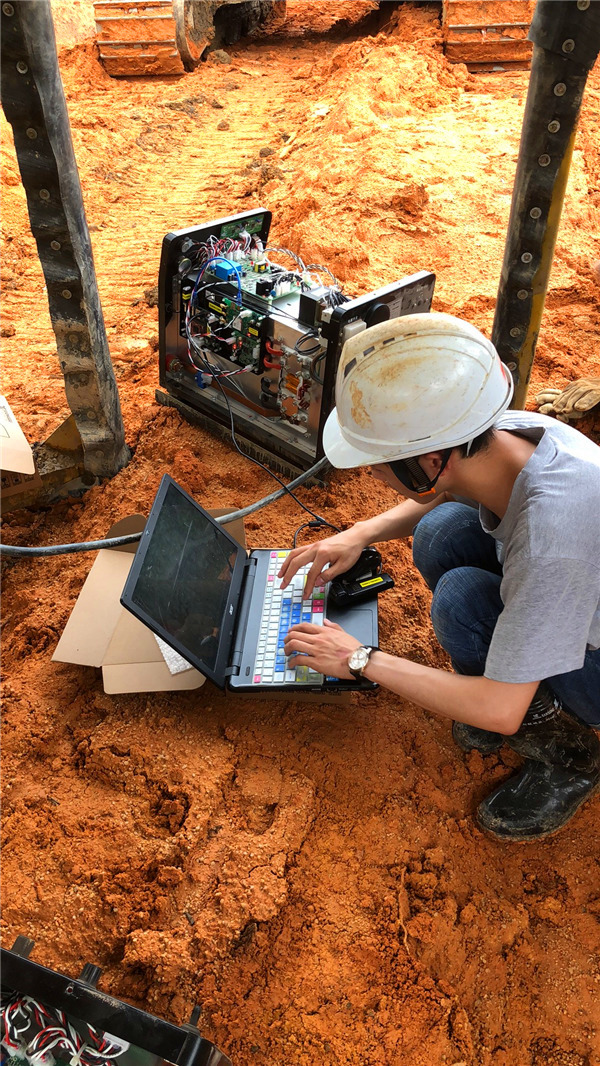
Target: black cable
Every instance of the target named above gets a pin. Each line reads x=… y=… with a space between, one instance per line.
x=15 y=550
x=12 y=550
x=314 y=525
x=257 y=462
x=313 y=365
x=311 y=335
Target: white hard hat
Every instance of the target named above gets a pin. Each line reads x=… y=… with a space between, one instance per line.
x=412 y=385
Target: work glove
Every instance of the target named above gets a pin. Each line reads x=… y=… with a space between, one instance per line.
x=572 y=403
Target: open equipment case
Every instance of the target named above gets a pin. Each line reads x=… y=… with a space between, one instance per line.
x=49 y=1019
x=250 y=336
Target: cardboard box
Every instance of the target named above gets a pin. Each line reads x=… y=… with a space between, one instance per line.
x=16 y=457
x=101 y=633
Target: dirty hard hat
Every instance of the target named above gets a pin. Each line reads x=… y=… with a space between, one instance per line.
x=412 y=385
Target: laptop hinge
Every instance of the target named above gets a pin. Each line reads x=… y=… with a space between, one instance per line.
x=235 y=660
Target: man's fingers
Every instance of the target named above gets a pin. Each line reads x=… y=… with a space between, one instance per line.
x=284 y=567
x=300 y=660
x=318 y=574
x=298 y=647
x=302 y=627
x=304 y=636
x=322 y=572
x=311 y=579
x=287 y=571
x=292 y=561
x=305 y=632
x=298 y=557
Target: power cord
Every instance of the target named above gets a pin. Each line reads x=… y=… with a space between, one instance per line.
x=16 y=551
x=314 y=525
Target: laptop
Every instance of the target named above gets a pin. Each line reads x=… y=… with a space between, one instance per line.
x=223 y=609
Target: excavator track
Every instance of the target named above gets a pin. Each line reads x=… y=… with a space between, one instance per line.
x=486 y=35
x=137 y=38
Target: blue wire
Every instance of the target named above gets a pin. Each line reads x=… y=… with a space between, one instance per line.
x=214 y=259
x=220 y=259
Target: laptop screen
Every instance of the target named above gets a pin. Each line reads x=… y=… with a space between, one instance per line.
x=185 y=580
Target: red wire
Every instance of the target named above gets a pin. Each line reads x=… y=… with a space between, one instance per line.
x=273 y=350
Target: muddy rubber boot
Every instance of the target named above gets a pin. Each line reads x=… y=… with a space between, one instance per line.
x=562 y=769
x=469 y=738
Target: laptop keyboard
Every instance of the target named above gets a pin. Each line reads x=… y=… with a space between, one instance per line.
x=283 y=608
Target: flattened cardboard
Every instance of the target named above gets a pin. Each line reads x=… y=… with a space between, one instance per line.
x=101 y=633
x=95 y=615
x=121 y=675
x=16 y=455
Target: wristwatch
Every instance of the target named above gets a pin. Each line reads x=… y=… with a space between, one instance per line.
x=359 y=659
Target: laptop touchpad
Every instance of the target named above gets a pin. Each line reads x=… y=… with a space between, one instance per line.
x=360 y=622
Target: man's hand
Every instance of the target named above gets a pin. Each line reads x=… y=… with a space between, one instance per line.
x=572 y=403
x=329 y=557
x=325 y=648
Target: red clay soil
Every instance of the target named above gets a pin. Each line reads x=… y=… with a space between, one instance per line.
x=311 y=874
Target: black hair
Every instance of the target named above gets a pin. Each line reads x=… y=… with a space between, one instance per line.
x=478 y=444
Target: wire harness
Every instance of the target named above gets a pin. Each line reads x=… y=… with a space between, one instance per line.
x=34 y=1033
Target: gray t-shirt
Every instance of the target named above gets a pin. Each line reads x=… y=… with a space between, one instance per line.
x=549 y=545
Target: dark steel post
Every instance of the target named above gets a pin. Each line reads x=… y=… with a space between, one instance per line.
x=566 y=41
x=34 y=104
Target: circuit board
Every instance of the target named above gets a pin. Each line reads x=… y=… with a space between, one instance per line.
x=251 y=224
x=250 y=334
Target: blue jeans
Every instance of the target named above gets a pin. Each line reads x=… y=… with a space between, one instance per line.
x=458 y=560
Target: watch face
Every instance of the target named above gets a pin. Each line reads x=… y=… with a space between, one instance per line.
x=359 y=659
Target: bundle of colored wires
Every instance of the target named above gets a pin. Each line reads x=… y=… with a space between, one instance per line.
x=286 y=251
x=54 y=1033
x=216 y=259
x=206 y=368
x=215 y=246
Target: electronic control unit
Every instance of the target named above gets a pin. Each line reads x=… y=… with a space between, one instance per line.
x=250 y=334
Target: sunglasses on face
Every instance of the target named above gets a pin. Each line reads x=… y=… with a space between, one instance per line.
x=410 y=473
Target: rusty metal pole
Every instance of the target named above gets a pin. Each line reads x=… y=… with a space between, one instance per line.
x=566 y=42
x=34 y=103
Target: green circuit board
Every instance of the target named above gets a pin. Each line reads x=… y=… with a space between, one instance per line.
x=248 y=225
